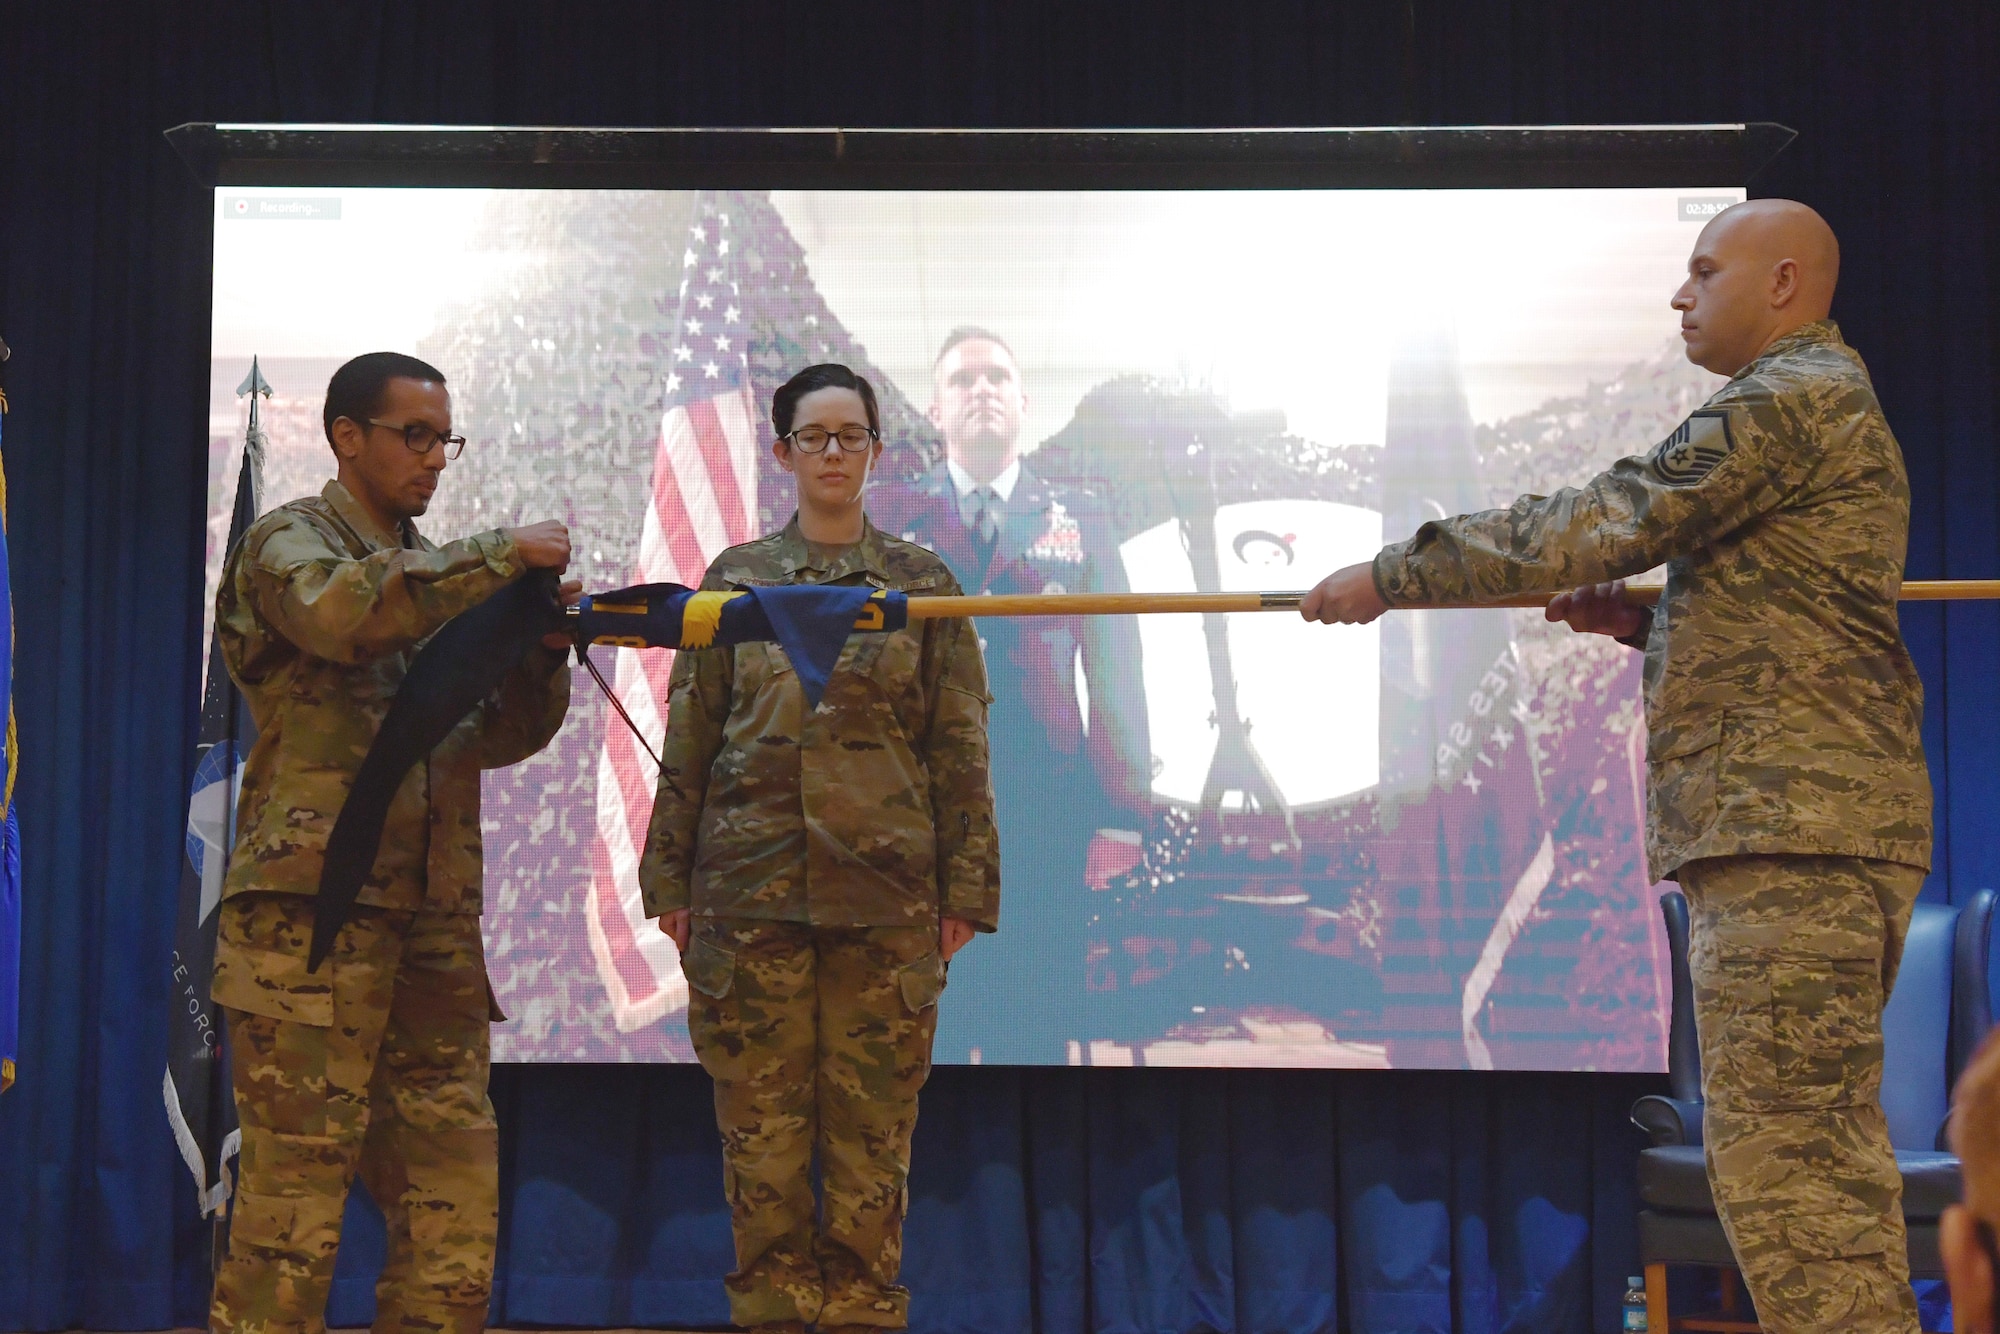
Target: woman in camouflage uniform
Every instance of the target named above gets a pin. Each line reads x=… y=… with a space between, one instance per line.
x=817 y=868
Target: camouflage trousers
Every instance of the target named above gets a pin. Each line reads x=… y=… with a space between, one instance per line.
x=818 y=1039
x=377 y=1064
x=1793 y=958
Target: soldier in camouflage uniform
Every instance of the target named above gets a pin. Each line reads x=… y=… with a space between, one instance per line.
x=818 y=869
x=1787 y=786
x=377 y=1062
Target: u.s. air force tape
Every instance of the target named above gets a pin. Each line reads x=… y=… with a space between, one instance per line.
x=1695 y=447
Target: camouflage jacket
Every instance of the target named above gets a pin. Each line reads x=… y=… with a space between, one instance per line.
x=876 y=809
x=1782 y=706
x=319 y=613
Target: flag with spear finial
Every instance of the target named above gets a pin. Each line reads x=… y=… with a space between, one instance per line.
x=199 y=1104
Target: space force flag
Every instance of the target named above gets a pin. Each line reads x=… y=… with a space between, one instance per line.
x=200 y=1108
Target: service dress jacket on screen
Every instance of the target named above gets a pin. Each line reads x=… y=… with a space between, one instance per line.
x=875 y=809
x=1782 y=707
x=1060 y=765
x=319 y=614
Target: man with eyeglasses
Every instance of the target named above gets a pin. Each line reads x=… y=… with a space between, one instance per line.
x=377 y=1062
x=1072 y=768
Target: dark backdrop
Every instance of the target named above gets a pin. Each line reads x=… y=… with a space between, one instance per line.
x=1080 y=1199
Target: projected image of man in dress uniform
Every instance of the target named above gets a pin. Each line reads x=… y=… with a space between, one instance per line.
x=1071 y=757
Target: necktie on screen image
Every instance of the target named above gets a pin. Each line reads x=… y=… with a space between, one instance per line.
x=981 y=517
x=10 y=830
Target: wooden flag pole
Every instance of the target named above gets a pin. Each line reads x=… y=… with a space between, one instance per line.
x=1141 y=604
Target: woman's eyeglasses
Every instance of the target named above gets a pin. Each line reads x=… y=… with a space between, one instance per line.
x=814 y=440
x=422 y=439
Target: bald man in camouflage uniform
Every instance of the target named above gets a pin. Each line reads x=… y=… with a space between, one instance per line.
x=377 y=1062
x=818 y=851
x=1788 y=792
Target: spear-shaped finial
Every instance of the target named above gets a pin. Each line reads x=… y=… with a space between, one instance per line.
x=255 y=385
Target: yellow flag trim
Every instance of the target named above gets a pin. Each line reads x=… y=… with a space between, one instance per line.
x=702 y=617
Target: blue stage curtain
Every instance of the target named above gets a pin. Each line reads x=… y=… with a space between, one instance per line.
x=1066 y=1200
x=1113 y=1201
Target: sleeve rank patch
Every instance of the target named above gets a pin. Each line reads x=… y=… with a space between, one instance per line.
x=1695 y=447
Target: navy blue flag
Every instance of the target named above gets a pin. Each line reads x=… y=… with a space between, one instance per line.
x=200 y=1107
x=810 y=622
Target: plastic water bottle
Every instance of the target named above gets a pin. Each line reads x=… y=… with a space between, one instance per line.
x=1635 y=1304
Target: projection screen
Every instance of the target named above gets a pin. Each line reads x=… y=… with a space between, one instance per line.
x=1228 y=840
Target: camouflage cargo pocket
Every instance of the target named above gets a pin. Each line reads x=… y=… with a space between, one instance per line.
x=260 y=960
x=1841 y=1235
x=708 y=968
x=922 y=981
x=1681 y=759
x=1844 y=1230
x=302 y=1224
x=1795 y=1033
x=1826 y=1029
x=262 y=1220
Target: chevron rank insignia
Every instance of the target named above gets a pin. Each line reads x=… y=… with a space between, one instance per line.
x=1695 y=447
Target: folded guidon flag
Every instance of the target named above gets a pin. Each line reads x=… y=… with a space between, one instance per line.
x=810 y=621
x=468 y=658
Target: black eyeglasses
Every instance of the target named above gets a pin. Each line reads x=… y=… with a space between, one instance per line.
x=813 y=439
x=422 y=439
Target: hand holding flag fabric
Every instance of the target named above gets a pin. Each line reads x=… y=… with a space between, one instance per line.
x=569 y=594
x=460 y=666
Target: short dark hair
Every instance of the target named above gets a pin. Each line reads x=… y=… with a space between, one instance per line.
x=972 y=333
x=826 y=375
x=356 y=389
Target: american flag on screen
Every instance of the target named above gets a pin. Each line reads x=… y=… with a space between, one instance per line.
x=703 y=498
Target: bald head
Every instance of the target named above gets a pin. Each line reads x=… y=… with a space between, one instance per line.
x=1975 y=1138
x=1975 y=1129
x=1759 y=270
